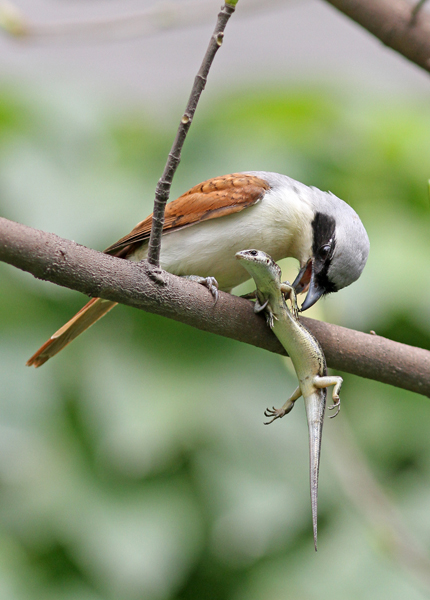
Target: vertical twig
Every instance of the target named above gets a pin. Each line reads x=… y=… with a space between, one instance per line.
x=162 y=190
x=416 y=9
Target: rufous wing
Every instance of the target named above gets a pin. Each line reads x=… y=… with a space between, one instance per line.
x=211 y=199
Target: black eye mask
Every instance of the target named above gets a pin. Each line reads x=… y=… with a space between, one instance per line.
x=324 y=243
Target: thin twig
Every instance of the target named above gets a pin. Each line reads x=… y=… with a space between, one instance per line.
x=162 y=190
x=416 y=9
x=66 y=263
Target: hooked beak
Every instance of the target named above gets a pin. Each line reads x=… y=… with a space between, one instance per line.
x=305 y=280
x=301 y=282
x=314 y=293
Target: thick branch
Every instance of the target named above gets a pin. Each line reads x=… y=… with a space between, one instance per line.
x=65 y=263
x=162 y=190
x=394 y=23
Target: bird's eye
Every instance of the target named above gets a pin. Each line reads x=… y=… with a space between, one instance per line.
x=324 y=251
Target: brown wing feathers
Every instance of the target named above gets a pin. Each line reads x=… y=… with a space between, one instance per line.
x=214 y=198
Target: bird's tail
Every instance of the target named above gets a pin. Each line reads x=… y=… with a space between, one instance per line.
x=315 y=409
x=89 y=314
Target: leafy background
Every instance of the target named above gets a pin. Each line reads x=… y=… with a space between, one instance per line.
x=135 y=465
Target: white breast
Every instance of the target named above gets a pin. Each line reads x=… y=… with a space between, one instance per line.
x=279 y=224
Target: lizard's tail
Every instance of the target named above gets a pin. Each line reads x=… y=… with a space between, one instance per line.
x=89 y=314
x=315 y=409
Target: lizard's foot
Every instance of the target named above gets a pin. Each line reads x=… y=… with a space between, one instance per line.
x=210 y=282
x=277 y=413
x=270 y=318
x=250 y=295
x=290 y=294
x=258 y=307
x=335 y=405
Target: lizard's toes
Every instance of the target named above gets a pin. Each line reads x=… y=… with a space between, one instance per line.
x=333 y=406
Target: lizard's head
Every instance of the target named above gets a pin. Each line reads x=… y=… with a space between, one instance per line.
x=259 y=265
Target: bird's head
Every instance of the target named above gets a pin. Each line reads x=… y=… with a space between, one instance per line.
x=340 y=247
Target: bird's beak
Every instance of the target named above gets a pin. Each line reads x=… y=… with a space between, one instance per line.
x=303 y=279
x=314 y=293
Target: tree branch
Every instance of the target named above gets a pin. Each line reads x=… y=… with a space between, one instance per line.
x=68 y=264
x=162 y=190
x=395 y=24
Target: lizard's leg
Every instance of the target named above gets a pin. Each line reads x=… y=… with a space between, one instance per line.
x=264 y=305
x=260 y=304
x=259 y=307
x=250 y=295
x=278 y=413
x=290 y=293
x=327 y=381
x=210 y=282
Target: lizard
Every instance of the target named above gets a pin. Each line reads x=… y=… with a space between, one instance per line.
x=303 y=349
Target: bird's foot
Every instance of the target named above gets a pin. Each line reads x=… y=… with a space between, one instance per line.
x=209 y=282
x=155 y=273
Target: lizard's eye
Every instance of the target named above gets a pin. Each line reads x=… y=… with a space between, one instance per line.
x=253 y=252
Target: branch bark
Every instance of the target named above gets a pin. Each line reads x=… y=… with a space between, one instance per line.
x=162 y=190
x=395 y=24
x=68 y=264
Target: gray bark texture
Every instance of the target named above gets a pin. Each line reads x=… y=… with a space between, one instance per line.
x=95 y=274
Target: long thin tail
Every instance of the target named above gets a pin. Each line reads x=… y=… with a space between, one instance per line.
x=315 y=409
x=89 y=314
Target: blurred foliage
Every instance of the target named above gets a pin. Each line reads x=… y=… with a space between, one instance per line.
x=135 y=464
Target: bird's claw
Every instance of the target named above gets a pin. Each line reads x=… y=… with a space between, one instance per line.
x=212 y=284
x=209 y=282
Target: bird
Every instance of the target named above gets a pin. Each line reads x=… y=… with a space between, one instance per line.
x=207 y=225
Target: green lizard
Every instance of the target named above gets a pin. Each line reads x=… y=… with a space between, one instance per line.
x=303 y=349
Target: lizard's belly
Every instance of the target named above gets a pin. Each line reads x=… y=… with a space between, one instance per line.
x=305 y=354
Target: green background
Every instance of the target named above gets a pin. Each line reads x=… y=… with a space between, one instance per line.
x=135 y=464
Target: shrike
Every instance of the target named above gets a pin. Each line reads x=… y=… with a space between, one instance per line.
x=205 y=228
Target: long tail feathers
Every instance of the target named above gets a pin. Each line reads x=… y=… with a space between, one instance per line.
x=89 y=314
